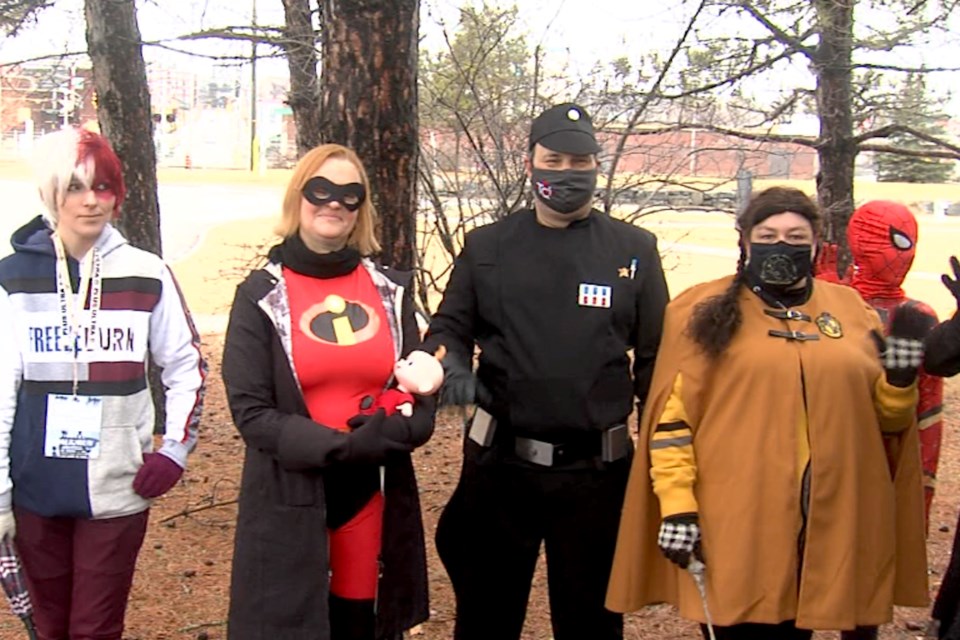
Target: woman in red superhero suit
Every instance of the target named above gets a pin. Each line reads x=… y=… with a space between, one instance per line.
x=329 y=536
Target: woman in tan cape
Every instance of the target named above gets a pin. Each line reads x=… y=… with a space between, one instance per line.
x=760 y=449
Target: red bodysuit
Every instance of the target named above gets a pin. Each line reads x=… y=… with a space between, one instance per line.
x=882 y=237
x=343 y=351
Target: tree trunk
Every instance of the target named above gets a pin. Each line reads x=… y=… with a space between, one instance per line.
x=836 y=149
x=369 y=103
x=123 y=109
x=299 y=43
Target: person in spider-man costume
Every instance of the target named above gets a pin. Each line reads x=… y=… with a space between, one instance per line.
x=882 y=237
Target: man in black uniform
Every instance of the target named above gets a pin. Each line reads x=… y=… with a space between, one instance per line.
x=555 y=297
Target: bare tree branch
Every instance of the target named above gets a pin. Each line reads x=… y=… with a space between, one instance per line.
x=893 y=67
x=778 y=33
x=891 y=129
x=740 y=75
x=647 y=99
x=910 y=153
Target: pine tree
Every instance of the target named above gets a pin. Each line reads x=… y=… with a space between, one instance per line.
x=918 y=109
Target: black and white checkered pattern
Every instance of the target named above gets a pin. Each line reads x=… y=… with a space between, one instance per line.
x=678 y=536
x=902 y=353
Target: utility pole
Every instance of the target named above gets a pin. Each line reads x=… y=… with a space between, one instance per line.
x=254 y=143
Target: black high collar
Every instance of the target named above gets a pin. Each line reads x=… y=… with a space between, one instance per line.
x=296 y=255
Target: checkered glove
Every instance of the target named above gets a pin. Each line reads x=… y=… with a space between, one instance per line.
x=901 y=354
x=680 y=538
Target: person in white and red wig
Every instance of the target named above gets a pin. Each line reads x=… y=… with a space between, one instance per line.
x=81 y=311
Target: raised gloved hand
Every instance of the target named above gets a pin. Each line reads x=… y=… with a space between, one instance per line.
x=901 y=353
x=953 y=284
x=679 y=538
x=370 y=442
x=157 y=475
x=8 y=525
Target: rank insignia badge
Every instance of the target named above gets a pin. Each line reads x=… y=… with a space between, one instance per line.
x=594 y=295
x=623 y=272
x=829 y=326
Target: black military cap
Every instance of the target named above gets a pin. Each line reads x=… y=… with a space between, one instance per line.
x=565 y=128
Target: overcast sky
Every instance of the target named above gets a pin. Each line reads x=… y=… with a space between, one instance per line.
x=575 y=34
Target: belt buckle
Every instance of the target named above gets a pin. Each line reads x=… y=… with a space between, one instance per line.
x=614 y=443
x=534 y=451
x=482 y=428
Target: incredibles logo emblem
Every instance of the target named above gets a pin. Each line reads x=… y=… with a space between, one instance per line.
x=340 y=322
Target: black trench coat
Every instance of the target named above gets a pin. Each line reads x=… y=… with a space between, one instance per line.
x=280 y=583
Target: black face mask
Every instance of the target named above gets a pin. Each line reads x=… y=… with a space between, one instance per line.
x=564 y=191
x=320 y=191
x=778 y=267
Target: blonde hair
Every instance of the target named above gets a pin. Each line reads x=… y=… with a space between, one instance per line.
x=363 y=237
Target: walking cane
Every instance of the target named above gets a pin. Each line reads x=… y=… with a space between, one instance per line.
x=14 y=585
x=698 y=571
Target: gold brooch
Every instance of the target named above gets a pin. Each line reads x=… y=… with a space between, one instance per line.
x=829 y=326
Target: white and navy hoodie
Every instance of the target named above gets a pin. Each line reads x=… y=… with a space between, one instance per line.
x=142 y=313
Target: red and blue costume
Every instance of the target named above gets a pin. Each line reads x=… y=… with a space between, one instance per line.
x=882 y=237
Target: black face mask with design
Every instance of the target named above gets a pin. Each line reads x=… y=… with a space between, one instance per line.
x=778 y=267
x=564 y=191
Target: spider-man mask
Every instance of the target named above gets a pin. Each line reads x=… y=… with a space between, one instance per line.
x=882 y=236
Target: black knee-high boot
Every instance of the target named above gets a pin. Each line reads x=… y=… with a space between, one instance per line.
x=351 y=619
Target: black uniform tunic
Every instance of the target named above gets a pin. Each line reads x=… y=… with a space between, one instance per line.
x=554 y=362
x=554 y=312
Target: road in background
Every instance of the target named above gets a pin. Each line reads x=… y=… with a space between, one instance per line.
x=187 y=211
x=696 y=245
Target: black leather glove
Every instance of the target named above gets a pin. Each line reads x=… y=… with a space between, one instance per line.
x=901 y=353
x=370 y=441
x=459 y=383
x=679 y=538
x=953 y=284
x=417 y=429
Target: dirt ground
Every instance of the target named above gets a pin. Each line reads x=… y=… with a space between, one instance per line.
x=181 y=587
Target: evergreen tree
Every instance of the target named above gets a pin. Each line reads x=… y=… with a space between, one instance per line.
x=919 y=109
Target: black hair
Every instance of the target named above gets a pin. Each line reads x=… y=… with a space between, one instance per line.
x=716 y=320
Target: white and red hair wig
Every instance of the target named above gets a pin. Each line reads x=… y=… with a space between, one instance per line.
x=76 y=154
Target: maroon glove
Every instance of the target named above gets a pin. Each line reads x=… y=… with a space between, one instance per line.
x=157 y=475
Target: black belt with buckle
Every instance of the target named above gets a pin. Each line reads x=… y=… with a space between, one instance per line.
x=609 y=445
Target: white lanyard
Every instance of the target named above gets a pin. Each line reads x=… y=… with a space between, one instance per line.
x=71 y=310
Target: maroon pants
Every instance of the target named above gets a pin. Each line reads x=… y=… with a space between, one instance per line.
x=79 y=572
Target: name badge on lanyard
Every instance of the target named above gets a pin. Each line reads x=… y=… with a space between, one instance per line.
x=73 y=423
x=73 y=427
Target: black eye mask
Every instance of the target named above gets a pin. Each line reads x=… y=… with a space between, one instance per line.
x=320 y=191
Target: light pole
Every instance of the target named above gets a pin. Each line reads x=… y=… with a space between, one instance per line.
x=254 y=150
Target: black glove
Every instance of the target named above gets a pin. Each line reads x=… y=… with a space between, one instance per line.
x=370 y=441
x=459 y=383
x=416 y=429
x=901 y=354
x=953 y=284
x=679 y=538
